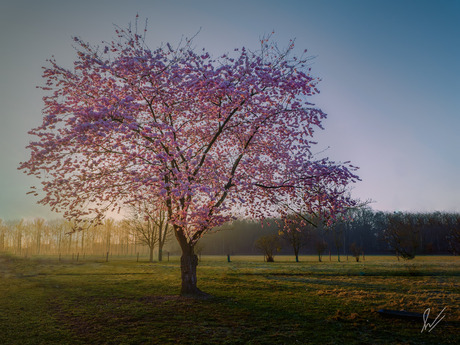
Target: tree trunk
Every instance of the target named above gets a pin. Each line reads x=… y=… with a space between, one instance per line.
x=160 y=253
x=151 y=254
x=162 y=232
x=188 y=264
x=38 y=242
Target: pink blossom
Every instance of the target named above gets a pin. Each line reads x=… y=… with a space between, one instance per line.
x=170 y=127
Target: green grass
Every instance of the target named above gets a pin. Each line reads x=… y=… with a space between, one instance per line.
x=44 y=301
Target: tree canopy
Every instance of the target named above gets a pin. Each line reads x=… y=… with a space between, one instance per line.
x=202 y=136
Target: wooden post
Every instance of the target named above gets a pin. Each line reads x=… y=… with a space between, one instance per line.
x=137 y=257
x=228 y=258
x=78 y=254
x=107 y=257
x=168 y=256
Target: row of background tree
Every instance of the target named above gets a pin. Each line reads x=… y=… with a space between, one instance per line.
x=57 y=237
x=366 y=231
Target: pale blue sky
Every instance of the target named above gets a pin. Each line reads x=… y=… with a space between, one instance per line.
x=390 y=86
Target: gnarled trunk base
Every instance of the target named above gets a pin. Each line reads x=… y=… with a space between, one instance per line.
x=188 y=264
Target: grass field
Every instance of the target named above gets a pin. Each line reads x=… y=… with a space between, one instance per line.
x=44 y=301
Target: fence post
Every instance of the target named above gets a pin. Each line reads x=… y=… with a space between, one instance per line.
x=107 y=257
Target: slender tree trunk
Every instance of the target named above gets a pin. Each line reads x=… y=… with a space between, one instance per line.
x=38 y=241
x=20 y=242
x=162 y=232
x=59 y=244
x=151 y=254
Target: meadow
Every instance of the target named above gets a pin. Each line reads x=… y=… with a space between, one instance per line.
x=44 y=300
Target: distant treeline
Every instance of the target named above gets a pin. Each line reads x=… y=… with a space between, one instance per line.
x=56 y=237
x=370 y=231
x=365 y=232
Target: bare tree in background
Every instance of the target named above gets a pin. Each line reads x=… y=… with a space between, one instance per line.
x=145 y=232
x=296 y=232
x=19 y=229
x=3 y=230
x=268 y=245
x=453 y=236
x=338 y=235
x=150 y=228
x=356 y=251
x=320 y=247
x=39 y=229
x=402 y=234
x=320 y=244
x=163 y=230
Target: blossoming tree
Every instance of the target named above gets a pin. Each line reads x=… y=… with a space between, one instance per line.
x=202 y=137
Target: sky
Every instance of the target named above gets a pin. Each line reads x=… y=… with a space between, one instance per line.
x=389 y=69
